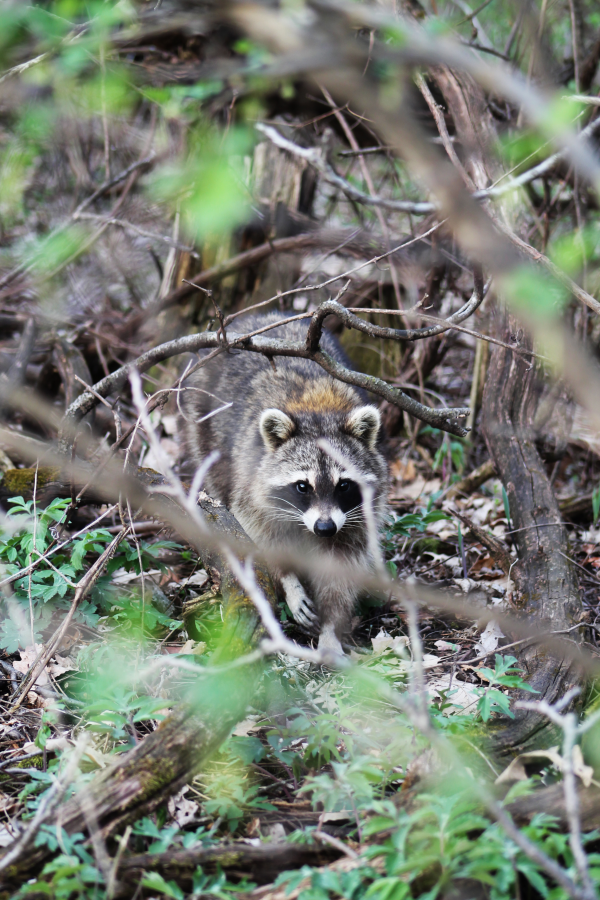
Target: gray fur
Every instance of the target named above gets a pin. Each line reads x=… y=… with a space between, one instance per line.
x=269 y=452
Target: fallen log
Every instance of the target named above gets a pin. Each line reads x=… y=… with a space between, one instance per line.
x=473 y=480
x=260 y=864
x=551 y=800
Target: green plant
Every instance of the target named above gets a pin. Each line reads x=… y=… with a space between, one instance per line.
x=232 y=796
x=444 y=838
x=29 y=538
x=355 y=783
x=64 y=877
x=596 y=503
x=504 y=674
x=401 y=526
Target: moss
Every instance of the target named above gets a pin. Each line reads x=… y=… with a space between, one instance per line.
x=20 y=482
x=162 y=773
x=432 y=545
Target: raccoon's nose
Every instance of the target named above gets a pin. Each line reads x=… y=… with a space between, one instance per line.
x=325 y=527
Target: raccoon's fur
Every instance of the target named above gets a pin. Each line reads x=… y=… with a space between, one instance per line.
x=284 y=489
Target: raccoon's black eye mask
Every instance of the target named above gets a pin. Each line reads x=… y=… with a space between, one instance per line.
x=347 y=494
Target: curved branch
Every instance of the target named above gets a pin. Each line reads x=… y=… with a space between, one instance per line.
x=446 y=419
x=419 y=47
x=314 y=157
x=331 y=307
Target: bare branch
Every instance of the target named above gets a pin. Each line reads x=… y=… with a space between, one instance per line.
x=330 y=307
x=446 y=419
x=315 y=158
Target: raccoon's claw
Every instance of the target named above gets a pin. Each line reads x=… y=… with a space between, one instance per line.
x=300 y=606
x=306 y=616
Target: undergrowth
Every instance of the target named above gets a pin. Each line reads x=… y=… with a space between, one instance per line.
x=408 y=808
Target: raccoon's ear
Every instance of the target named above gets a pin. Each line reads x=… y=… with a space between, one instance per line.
x=275 y=428
x=364 y=423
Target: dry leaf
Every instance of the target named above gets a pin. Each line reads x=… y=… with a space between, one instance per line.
x=415 y=489
x=403 y=470
x=488 y=641
x=384 y=641
x=181 y=810
x=462 y=696
x=28 y=657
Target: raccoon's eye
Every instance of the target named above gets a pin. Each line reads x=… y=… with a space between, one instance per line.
x=344 y=485
x=302 y=487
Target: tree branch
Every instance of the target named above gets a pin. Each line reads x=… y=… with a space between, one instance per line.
x=446 y=419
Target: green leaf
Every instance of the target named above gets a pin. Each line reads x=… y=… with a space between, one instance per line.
x=506 y=505
x=156 y=882
x=596 y=503
x=388 y=889
x=42 y=736
x=247 y=748
x=536 y=294
x=47 y=253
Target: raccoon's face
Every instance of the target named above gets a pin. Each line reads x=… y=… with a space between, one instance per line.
x=304 y=484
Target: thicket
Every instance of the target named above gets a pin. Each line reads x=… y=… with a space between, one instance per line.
x=422 y=179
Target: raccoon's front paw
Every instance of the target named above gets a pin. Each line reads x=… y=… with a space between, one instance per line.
x=300 y=605
x=329 y=642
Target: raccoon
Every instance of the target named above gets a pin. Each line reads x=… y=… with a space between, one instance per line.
x=286 y=491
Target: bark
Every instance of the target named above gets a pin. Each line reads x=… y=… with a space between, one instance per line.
x=157 y=768
x=551 y=800
x=546 y=582
x=473 y=480
x=260 y=864
x=72 y=368
x=547 y=591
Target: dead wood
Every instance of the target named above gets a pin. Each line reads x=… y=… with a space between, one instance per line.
x=545 y=580
x=473 y=480
x=155 y=769
x=577 y=507
x=551 y=800
x=496 y=547
x=349 y=242
x=261 y=864
x=18 y=370
x=72 y=368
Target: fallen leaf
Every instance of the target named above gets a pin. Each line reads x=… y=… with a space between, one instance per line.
x=461 y=695
x=403 y=470
x=516 y=771
x=198 y=579
x=28 y=657
x=415 y=489
x=7 y=836
x=183 y=811
x=444 y=645
x=488 y=641
x=586 y=773
x=384 y=641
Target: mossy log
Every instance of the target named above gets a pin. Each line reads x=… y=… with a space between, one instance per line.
x=260 y=864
